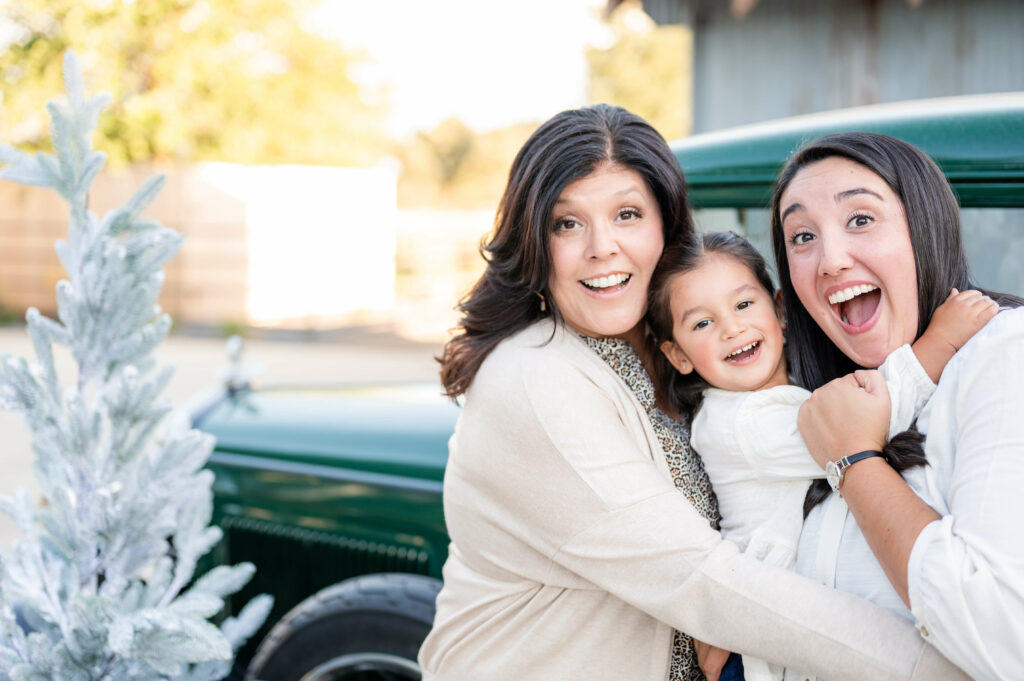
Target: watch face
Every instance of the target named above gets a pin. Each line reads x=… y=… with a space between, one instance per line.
x=832 y=475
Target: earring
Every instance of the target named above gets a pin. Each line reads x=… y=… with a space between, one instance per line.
x=543 y=303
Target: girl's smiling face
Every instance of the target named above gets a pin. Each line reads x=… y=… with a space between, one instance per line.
x=725 y=326
x=850 y=258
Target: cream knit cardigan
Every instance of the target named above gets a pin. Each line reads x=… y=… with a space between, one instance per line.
x=573 y=556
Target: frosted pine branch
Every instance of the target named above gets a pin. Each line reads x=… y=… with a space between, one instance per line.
x=95 y=588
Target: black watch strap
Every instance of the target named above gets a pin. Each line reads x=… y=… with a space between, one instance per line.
x=860 y=456
x=834 y=470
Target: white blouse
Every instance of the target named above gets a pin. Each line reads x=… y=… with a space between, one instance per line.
x=759 y=465
x=760 y=468
x=966 y=570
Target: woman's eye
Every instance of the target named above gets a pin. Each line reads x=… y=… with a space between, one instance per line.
x=860 y=221
x=704 y=323
x=566 y=224
x=801 y=238
x=743 y=305
x=629 y=214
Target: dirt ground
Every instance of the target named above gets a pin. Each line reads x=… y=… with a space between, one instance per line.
x=354 y=356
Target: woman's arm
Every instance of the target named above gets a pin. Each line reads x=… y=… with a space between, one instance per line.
x=650 y=548
x=963 y=575
x=850 y=415
x=765 y=422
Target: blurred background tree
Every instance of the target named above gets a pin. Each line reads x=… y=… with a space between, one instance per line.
x=237 y=80
x=453 y=166
x=643 y=72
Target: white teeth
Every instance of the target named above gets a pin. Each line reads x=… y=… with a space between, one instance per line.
x=746 y=347
x=850 y=293
x=606 y=282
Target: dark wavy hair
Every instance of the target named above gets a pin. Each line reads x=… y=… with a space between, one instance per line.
x=685 y=392
x=566 y=148
x=933 y=218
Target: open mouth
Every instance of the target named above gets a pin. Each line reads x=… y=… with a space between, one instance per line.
x=744 y=353
x=855 y=305
x=612 y=282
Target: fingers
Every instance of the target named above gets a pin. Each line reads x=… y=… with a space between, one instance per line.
x=868 y=379
x=984 y=302
x=972 y=303
x=980 y=306
x=969 y=296
x=966 y=295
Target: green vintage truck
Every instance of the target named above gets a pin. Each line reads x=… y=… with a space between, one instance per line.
x=335 y=495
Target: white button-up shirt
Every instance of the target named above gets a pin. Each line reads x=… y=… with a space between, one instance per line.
x=966 y=570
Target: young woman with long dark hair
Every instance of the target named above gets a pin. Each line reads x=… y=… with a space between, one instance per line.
x=874 y=215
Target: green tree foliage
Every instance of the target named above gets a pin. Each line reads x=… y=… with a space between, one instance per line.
x=453 y=166
x=648 y=70
x=237 y=80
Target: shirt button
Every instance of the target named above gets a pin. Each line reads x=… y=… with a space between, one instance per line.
x=924 y=631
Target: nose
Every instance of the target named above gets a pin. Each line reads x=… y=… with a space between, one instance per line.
x=732 y=326
x=601 y=242
x=835 y=255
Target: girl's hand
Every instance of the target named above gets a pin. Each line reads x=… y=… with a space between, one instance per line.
x=710 y=659
x=846 y=416
x=962 y=315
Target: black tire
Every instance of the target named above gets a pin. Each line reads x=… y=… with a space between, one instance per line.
x=363 y=629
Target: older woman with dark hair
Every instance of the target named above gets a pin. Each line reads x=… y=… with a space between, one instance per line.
x=583 y=527
x=866 y=233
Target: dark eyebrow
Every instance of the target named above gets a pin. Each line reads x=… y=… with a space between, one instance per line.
x=792 y=208
x=735 y=291
x=842 y=196
x=622 y=193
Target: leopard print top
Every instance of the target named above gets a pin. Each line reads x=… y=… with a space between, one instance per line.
x=687 y=468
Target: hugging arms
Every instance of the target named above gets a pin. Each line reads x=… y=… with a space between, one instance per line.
x=582 y=526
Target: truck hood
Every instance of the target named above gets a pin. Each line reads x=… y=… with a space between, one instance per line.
x=398 y=430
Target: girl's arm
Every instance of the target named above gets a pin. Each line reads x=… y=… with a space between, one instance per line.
x=765 y=422
x=962 y=315
x=753 y=436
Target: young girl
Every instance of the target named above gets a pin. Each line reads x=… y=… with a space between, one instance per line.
x=714 y=314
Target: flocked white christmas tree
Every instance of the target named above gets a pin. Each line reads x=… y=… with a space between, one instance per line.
x=100 y=586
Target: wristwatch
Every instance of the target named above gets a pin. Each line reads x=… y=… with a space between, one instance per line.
x=835 y=470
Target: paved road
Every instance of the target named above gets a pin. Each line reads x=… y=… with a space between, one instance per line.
x=355 y=357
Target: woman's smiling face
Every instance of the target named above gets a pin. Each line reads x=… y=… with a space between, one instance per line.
x=606 y=240
x=850 y=258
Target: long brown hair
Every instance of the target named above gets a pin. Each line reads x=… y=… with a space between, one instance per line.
x=512 y=293
x=933 y=219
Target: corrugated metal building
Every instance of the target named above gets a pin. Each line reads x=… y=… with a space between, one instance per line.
x=757 y=60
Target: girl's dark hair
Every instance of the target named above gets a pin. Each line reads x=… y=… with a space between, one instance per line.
x=933 y=218
x=568 y=147
x=684 y=392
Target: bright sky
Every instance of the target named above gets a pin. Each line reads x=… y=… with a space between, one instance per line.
x=490 y=63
